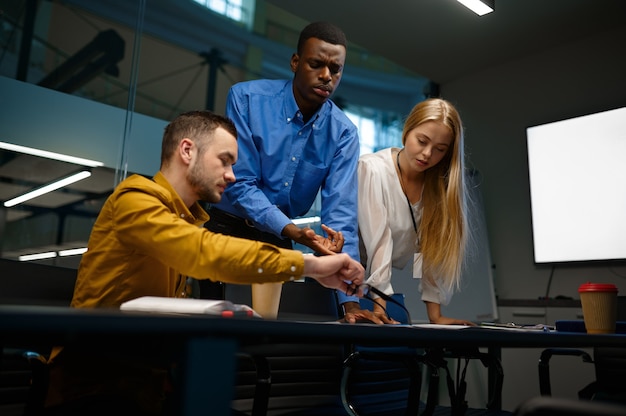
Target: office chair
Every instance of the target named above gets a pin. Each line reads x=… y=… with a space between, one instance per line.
x=610 y=373
x=554 y=406
x=382 y=380
x=291 y=379
x=23 y=382
x=609 y=367
x=387 y=381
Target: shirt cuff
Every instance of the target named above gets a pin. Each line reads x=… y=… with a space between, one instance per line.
x=343 y=298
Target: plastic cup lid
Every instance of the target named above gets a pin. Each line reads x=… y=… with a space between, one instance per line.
x=597 y=287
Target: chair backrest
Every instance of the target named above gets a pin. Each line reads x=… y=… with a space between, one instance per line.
x=23 y=382
x=383 y=380
x=610 y=369
x=308 y=301
x=26 y=283
x=553 y=406
x=302 y=377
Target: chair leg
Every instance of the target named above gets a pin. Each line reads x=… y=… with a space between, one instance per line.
x=263 y=386
x=347 y=369
x=432 y=398
x=39 y=383
x=415 y=387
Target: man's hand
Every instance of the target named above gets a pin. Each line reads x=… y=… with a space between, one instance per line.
x=334 y=240
x=336 y=272
x=307 y=237
x=354 y=314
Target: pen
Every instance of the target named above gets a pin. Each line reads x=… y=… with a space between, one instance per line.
x=237 y=314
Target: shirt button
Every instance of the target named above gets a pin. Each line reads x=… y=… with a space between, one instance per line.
x=293 y=268
x=293 y=159
x=288 y=119
x=299 y=133
x=260 y=270
x=182 y=215
x=286 y=183
x=292 y=278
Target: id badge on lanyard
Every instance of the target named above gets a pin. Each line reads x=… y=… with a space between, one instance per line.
x=417 y=257
x=417 y=266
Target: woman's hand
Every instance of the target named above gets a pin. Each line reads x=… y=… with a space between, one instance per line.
x=435 y=317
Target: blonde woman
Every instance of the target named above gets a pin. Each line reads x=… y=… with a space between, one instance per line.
x=413 y=207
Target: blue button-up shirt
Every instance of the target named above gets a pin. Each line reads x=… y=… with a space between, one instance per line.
x=283 y=162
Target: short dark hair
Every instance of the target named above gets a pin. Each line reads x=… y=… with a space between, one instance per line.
x=195 y=125
x=324 y=31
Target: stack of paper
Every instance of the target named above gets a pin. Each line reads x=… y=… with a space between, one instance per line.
x=188 y=306
x=514 y=327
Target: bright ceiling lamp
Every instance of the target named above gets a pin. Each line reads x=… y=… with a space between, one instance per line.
x=38 y=256
x=72 y=251
x=306 y=220
x=50 y=155
x=480 y=7
x=48 y=188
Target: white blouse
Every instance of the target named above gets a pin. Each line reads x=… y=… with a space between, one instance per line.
x=388 y=238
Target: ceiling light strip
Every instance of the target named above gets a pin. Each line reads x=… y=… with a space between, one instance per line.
x=477 y=6
x=50 y=155
x=48 y=188
x=38 y=256
x=52 y=254
x=306 y=220
x=72 y=252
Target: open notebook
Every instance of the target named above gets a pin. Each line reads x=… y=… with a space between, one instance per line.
x=188 y=306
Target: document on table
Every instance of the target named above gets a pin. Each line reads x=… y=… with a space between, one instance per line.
x=439 y=326
x=188 y=306
x=510 y=326
x=491 y=325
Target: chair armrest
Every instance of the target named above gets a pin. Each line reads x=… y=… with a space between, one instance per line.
x=544 y=365
x=263 y=383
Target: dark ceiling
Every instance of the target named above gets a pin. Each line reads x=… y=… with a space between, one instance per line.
x=442 y=40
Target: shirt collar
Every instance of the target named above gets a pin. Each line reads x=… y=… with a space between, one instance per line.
x=195 y=215
x=292 y=112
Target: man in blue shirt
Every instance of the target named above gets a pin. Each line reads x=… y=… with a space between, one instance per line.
x=294 y=142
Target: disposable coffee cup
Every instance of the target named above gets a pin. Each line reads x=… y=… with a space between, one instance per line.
x=599 y=302
x=266 y=299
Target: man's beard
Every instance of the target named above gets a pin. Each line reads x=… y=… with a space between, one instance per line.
x=195 y=178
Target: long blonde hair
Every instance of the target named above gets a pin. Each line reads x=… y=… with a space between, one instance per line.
x=443 y=230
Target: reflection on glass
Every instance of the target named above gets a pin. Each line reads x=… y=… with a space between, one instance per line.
x=46 y=227
x=149 y=60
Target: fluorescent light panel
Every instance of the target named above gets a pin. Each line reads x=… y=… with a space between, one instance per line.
x=48 y=188
x=477 y=6
x=72 y=252
x=53 y=254
x=38 y=256
x=50 y=155
x=306 y=220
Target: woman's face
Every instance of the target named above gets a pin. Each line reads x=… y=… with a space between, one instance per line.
x=427 y=144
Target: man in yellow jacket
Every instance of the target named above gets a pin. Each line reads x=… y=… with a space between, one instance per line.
x=148 y=239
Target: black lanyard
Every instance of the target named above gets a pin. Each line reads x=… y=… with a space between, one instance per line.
x=404 y=192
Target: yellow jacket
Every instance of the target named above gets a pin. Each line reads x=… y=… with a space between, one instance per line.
x=145 y=242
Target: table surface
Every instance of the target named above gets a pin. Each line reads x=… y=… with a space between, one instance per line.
x=207 y=345
x=58 y=324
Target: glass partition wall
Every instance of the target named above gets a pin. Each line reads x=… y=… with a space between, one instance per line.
x=86 y=88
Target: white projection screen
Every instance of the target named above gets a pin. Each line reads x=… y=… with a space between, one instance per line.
x=577 y=172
